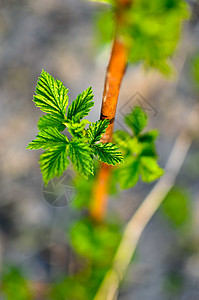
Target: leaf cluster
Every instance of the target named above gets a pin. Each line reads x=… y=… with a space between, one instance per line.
x=151 y=30
x=139 y=151
x=52 y=98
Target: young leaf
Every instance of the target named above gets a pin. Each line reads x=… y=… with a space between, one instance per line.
x=139 y=152
x=48 y=138
x=81 y=106
x=96 y=130
x=149 y=137
x=121 y=138
x=149 y=169
x=129 y=145
x=50 y=121
x=80 y=155
x=136 y=120
x=108 y=153
x=128 y=174
x=51 y=96
x=53 y=162
x=77 y=129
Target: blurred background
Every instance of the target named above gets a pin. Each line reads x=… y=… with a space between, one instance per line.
x=59 y=37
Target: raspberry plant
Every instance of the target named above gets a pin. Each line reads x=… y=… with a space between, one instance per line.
x=144 y=32
x=51 y=97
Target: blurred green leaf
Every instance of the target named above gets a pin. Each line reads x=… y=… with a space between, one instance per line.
x=150 y=29
x=139 y=153
x=136 y=120
x=14 y=286
x=176 y=207
x=129 y=173
x=195 y=69
x=149 y=169
x=95 y=242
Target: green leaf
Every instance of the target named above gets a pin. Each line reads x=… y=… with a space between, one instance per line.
x=51 y=96
x=53 y=162
x=148 y=137
x=121 y=138
x=155 y=24
x=96 y=130
x=48 y=138
x=139 y=152
x=176 y=207
x=97 y=243
x=77 y=129
x=80 y=155
x=147 y=142
x=15 y=286
x=136 y=120
x=108 y=153
x=81 y=106
x=128 y=174
x=129 y=145
x=149 y=169
x=50 y=121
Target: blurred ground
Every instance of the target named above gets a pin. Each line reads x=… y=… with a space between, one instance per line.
x=57 y=35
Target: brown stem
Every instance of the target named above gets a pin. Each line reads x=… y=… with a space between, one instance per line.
x=114 y=75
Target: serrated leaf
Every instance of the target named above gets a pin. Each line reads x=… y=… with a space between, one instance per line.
x=149 y=169
x=108 y=153
x=48 y=138
x=51 y=95
x=53 y=162
x=80 y=155
x=81 y=106
x=50 y=121
x=77 y=129
x=136 y=120
x=96 y=130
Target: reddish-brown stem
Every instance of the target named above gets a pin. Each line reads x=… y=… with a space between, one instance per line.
x=114 y=75
x=115 y=72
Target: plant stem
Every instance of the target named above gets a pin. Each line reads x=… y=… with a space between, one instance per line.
x=114 y=75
